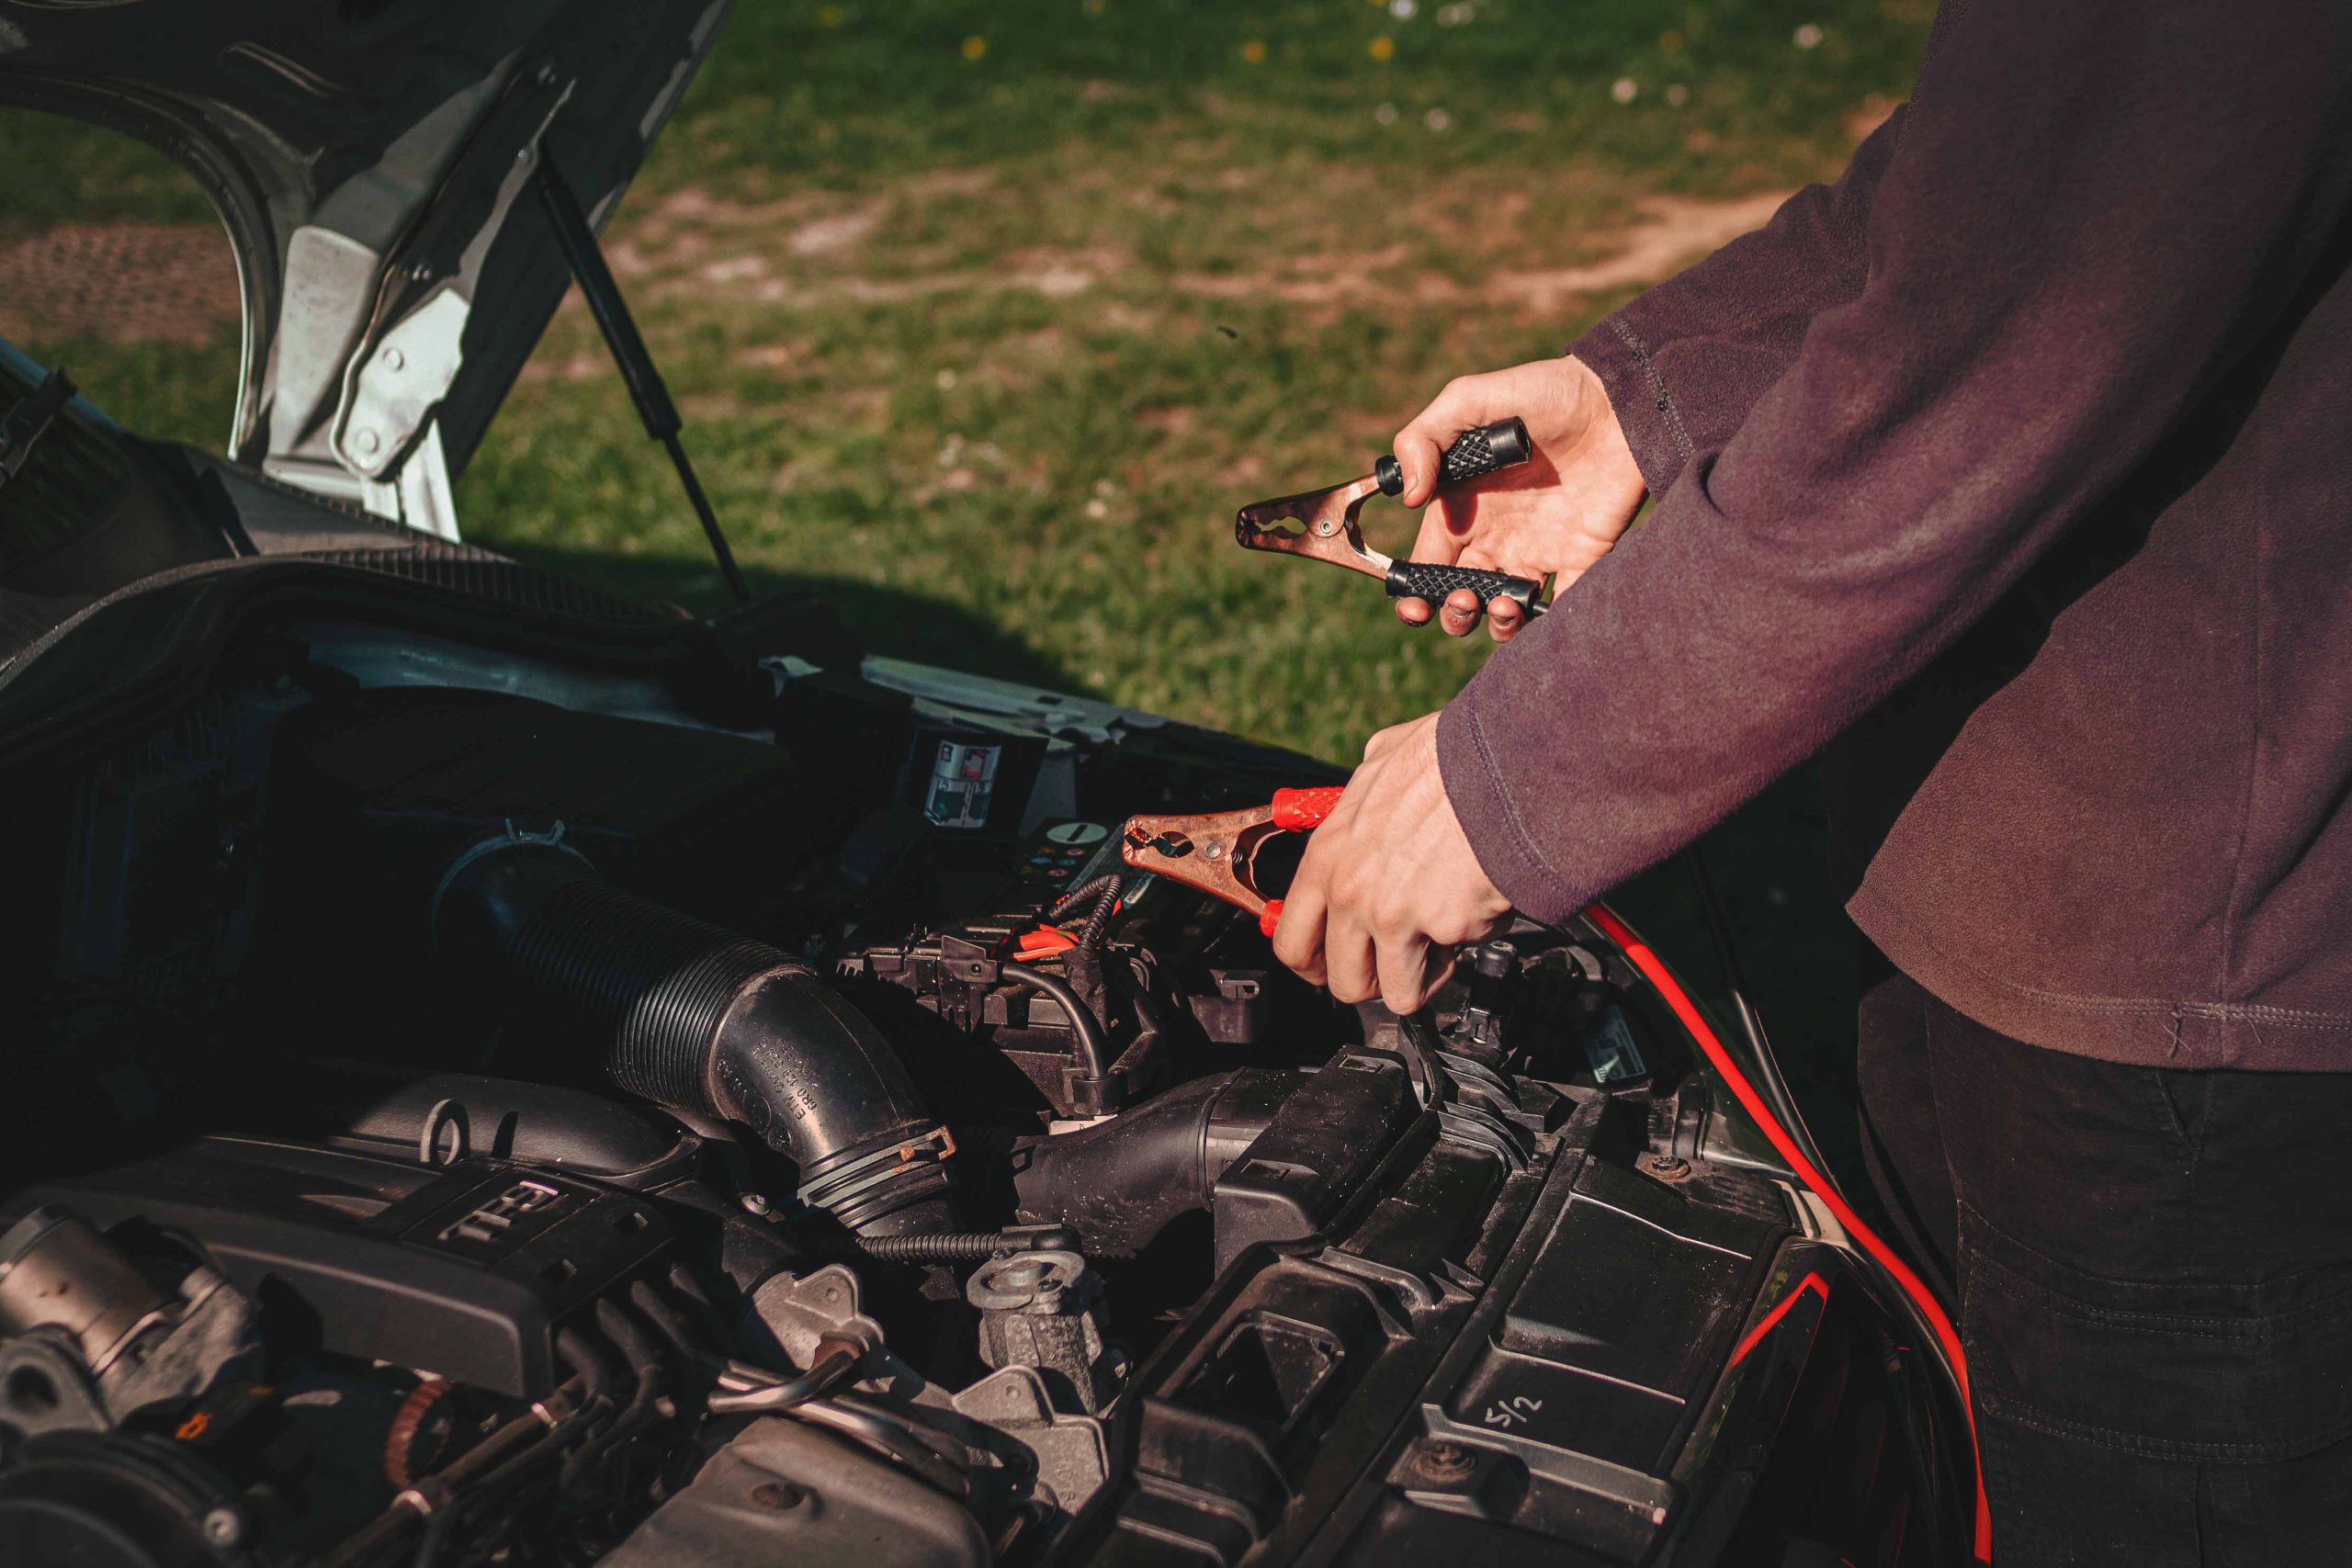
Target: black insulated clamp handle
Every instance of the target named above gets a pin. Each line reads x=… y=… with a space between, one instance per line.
x=1475 y=453
x=1432 y=580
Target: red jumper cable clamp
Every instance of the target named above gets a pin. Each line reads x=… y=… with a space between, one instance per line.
x=1218 y=852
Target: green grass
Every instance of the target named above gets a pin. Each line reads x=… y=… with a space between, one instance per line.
x=995 y=345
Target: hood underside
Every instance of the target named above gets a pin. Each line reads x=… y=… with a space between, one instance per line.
x=373 y=161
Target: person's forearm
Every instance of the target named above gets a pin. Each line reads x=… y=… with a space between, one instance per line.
x=2062 y=257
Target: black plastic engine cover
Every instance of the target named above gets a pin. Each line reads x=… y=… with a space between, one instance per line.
x=464 y=1270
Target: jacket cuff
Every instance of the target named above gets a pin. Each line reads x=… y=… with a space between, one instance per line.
x=1614 y=350
x=1482 y=797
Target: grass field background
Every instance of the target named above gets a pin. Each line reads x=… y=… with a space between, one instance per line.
x=985 y=317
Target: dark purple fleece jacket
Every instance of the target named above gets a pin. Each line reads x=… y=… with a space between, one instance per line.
x=2021 y=459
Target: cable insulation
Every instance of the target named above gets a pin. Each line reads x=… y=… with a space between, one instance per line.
x=1816 y=1181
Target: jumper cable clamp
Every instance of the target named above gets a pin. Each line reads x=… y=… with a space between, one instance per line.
x=1321 y=523
x=1218 y=852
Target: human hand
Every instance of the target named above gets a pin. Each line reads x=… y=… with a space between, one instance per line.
x=1389 y=884
x=1553 y=515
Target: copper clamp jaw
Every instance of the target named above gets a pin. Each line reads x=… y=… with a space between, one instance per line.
x=1217 y=852
x=1321 y=524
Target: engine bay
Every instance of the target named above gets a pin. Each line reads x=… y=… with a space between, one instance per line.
x=481 y=1109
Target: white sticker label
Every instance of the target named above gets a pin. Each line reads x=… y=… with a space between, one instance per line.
x=1611 y=1050
x=1077 y=833
x=962 y=779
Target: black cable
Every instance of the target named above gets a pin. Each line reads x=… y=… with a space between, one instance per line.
x=580 y=1354
x=1093 y=1060
x=963 y=1247
x=1103 y=893
x=1767 y=1075
x=1079 y=896
x=649 y=1303
x=1097 y=928
x=436 y=1535
x=645 y=1367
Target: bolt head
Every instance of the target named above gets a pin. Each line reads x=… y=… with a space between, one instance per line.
x=755 y=1203
x=1667 y=1167
x=1446 y=1462
x=223 y=1526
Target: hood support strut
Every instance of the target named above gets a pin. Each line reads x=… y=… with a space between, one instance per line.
x=646 y=389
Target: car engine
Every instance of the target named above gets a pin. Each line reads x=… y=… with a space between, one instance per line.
x=472 y=1106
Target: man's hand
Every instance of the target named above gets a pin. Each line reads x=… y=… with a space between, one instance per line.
x=1555 y=514
x=1389 y=885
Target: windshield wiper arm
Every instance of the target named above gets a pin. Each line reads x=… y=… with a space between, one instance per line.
x=646 y=389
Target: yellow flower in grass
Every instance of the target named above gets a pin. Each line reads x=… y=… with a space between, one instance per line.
x=975 y=47
x=1254 y=52
x=1383 y=48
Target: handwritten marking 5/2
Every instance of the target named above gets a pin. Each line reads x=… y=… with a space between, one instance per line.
x=1514 y=1410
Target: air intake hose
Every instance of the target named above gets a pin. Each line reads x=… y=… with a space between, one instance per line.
x=706 y=1021
x=1123 y=1181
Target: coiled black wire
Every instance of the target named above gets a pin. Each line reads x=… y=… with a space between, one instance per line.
x=1103 y=893
x=956 y=1247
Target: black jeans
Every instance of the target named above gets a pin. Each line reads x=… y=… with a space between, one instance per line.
x=2154 y=1275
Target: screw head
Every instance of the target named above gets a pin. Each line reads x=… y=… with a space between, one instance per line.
x=1667 y=1167
x=394 y=359
x=364 y=441
x=223 y=1526
x=755 y=1203
x=1446 y=1462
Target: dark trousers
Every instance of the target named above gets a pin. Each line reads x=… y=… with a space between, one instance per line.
x=2153 y=1270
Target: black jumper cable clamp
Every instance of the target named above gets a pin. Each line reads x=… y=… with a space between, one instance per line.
x=1321 y=523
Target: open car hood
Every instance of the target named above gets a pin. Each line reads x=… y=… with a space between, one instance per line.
x=373 y=161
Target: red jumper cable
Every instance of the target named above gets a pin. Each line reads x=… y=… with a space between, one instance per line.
x=1217 y=853
x=1817 y=1182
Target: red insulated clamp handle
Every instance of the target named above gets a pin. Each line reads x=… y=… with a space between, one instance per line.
x=1269 y=917
x=1296 y=811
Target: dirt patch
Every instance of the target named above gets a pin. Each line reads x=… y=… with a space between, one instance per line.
x=1671 y=232
x=123 y=282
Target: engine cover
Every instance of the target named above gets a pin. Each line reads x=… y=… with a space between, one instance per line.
x=463 y=1269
